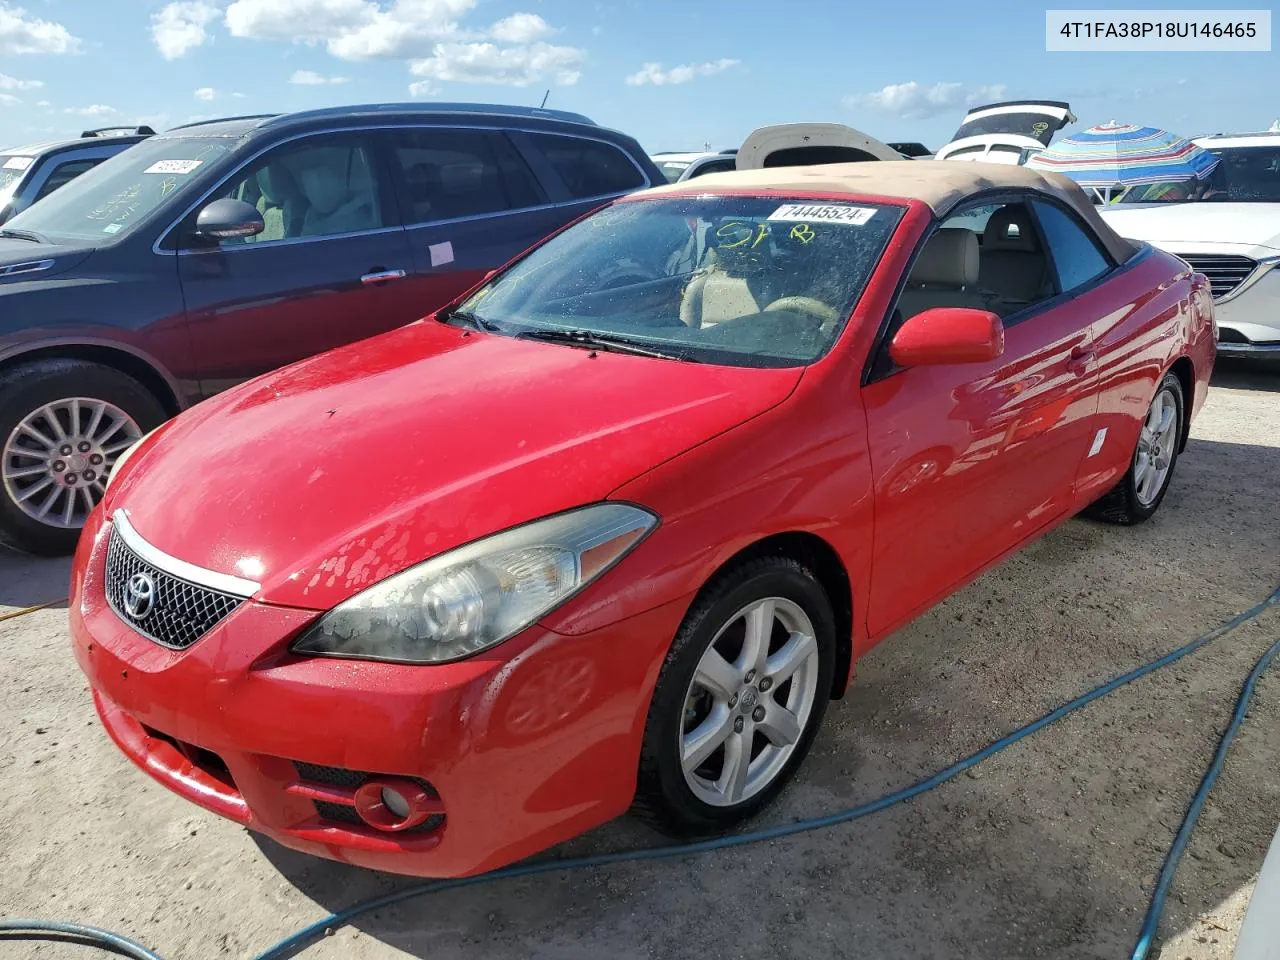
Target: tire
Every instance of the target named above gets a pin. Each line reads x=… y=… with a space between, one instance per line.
x=34 y=475
x=1138 y=495
x=691 y=804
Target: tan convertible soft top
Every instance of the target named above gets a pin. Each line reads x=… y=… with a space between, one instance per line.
x=939 y=183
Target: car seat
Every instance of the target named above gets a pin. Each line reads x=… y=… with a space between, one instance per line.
x=945 y=274
x=1012 y=269
x=333 y=206
x=279 y=202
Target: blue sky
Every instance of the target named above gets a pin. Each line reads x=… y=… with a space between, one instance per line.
x=674 y=73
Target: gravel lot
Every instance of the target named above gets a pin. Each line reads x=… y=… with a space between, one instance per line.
x=1049 y=849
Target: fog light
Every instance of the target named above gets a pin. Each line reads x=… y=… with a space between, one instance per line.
x=395 y=803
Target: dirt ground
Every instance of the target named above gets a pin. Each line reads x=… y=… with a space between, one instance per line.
x=1049 y=849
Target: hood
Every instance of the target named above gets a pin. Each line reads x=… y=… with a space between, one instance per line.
x=24 y=260
x=320 y=479
x=1249 y=224
x=1035 y=120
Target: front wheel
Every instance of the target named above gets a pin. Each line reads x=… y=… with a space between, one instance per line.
x=1139 y=493
x=739 y=699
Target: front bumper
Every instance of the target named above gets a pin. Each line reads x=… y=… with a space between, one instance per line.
x=526 y=746
x=1249 y=320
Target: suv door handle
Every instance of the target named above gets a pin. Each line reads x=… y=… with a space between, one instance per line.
x=382 y=276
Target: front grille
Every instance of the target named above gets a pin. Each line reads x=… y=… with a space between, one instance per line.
x=1225 y=272
x=179 y=613
x=203 y=759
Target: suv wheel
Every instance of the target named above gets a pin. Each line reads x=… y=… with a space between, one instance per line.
x=63 y=424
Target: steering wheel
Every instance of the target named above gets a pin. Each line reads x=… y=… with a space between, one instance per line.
x=822 y=312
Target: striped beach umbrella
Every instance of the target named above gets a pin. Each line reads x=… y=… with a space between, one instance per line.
x=1120 y=155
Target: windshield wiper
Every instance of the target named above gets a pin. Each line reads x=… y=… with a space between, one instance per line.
x=471 y=319
x=603 y=341
x=23 y=235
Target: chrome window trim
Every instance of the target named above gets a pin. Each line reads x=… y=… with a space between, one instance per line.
x=221 y=582
x=646 y=182
x=30 y=266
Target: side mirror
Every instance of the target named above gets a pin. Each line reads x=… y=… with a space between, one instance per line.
x=228 y=219
x=945 y=335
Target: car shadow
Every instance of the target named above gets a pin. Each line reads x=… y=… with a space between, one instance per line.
x=1049 y=849
x=27 y=581
x=1237 y=374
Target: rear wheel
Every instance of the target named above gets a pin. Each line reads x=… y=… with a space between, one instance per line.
x=1139 y=493
x=63 y=424
x=739 y=699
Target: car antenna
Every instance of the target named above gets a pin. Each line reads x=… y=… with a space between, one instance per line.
x=544 y=98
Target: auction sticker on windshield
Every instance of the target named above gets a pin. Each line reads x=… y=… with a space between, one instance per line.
x=823 y=213
x=173 y=166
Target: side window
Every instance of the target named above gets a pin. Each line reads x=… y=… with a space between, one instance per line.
x=64 y=173
x=987 y=257
x=589 y=168
x=318 y=187
x=1075 y=254
x=714 y=166
x=443 y=174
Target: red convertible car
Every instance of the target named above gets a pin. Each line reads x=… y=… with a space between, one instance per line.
x=610 y=531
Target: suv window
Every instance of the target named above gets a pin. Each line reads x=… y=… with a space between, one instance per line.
x=714 y=166
x=1075 y=254
x=64 y=173
x=444 y=174
x=319 y=187
x=589 y=168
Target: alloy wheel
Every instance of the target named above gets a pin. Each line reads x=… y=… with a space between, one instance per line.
x=57 y=459
x=1157 y=446
x=749 y=701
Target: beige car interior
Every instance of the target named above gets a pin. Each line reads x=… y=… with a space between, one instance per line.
x=1004 y=272
x=313 y=192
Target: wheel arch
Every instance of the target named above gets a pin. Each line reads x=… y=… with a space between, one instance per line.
x=821 y=558
x=141 y=367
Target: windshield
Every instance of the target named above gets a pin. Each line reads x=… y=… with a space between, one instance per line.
x=1244 y=175
x=741 y=281
x=110 y=200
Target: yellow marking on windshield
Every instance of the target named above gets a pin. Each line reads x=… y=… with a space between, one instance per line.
x=802 y=232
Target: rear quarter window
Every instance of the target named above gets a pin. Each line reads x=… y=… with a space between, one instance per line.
x=589 y=168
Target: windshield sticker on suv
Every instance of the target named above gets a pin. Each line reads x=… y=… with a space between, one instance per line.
x=823 y=213
x=173 y=166
x=17 y=163
x=113 y=228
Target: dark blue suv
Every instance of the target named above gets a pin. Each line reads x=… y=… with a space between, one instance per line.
x=214 y=252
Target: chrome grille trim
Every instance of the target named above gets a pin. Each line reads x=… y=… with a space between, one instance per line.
x=178 y=612
x=220 y=582
x=1226 y=272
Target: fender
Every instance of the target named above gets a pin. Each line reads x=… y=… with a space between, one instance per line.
x=173 y=396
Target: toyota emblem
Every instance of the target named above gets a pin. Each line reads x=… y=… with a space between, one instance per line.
x=140 y=596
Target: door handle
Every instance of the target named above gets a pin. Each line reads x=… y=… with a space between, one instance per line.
x=1080 y=359
x=382 y=276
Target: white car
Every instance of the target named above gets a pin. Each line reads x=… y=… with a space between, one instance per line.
x=685 y=166
x=1007 y=132
x=1228 y=228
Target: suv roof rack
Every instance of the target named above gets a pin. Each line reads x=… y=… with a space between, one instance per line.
x=247 y=116
x=139 y=131
x=503 y=109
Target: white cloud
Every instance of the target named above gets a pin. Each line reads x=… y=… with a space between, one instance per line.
x=521 y=28
x=915 y=101
x=351 y=29
x=206 y=93
x=8 y=100
x=309 y=78
x=20 y=33
x=654 y=73
x=43 y=103
x=517 y=66
x=422 y=88
x=93 y=110
x=182 y=26
x=13 y=83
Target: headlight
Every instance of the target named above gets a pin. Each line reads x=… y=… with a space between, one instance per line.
x=118 y=466
x=481 y=594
